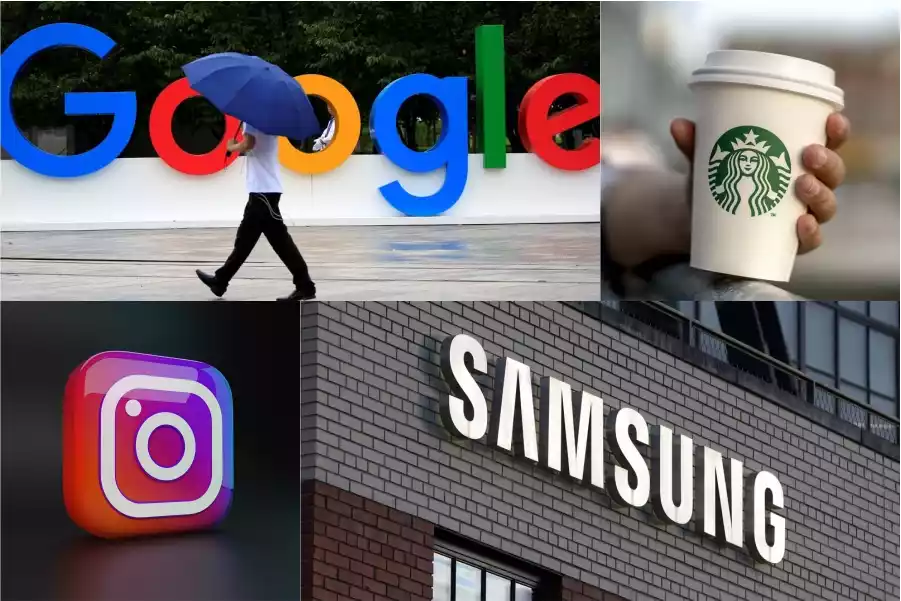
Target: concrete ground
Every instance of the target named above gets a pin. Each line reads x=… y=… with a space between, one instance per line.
x=494 y=262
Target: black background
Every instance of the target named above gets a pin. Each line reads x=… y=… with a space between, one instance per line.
x=254 y=554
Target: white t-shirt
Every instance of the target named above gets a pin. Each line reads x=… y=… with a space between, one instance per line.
x=326 y=138
x=261 y=163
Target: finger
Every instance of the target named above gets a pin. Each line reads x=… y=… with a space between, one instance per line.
x=825 y=164
x=820 y=200
x=683 y=132
x=809 y=234
x=838 y=130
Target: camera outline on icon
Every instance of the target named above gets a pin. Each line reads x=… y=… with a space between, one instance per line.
x=108 y=482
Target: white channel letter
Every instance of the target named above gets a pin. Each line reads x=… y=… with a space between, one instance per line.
x=462 y=384
x=512 y=381
x=585 y=444
x=664 y=472
x=722 y=498
x=624 y=450
x=759 y=485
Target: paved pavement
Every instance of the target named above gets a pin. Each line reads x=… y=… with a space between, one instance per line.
x=495 y=262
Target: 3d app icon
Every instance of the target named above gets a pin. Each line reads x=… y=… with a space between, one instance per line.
x=147 y=445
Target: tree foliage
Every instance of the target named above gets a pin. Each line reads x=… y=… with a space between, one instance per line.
x=364 y=45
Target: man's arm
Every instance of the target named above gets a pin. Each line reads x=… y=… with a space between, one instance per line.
x=325 y=139
x=242 y=147
x=329 y=133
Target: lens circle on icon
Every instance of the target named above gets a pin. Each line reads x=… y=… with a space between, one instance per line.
x=142 y=446
x=133 y=407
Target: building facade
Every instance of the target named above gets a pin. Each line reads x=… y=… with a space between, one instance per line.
x=409 y=494
x=848 y=345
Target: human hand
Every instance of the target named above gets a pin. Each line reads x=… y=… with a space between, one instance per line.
x=816 y=189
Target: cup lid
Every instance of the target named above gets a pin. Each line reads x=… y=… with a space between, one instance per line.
x=772 y=71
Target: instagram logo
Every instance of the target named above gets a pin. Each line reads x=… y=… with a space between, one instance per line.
x=147 y=445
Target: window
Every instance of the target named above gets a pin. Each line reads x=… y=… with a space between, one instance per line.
x=885 y=311
x=848 y=345
x=788 y=322
x=460 y=575
x=883 y=372
x=703 y=311
x=819 y=339
x=853 y=346
x=859 y=306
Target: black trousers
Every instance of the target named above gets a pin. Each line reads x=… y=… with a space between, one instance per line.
x=258 y=220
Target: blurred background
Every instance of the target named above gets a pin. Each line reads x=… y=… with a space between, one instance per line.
x=649 y=49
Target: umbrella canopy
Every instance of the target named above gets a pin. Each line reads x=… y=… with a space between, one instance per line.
x=256 y=92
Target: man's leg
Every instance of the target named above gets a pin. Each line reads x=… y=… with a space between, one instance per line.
x=248 y=234
x=278 y=236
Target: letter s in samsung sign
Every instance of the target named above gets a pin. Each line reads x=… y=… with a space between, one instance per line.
x=450 y=94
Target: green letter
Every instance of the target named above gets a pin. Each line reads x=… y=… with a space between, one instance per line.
x=490 y=88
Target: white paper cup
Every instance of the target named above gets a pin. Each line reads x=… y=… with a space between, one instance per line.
x=757 y=112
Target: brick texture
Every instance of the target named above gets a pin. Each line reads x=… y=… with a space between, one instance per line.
x=355 y=548
x=370 y=393
x=573 y=590
x=358 y=549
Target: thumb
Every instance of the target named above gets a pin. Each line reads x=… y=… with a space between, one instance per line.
x=683 y=133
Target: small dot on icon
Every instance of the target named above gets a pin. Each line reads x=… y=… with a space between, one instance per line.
x=133 y=407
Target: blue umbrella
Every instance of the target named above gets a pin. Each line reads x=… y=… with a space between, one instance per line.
x=256 y=92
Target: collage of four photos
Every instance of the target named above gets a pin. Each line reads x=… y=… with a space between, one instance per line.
x=449 y=301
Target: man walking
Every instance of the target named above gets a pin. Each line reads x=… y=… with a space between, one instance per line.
x=262 y=217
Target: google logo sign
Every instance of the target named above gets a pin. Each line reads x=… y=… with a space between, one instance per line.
x=450 y=94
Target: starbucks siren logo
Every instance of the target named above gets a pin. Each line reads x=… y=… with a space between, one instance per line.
x=749 y=164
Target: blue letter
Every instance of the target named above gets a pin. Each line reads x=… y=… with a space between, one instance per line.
x=123 y=106
x=451 y=150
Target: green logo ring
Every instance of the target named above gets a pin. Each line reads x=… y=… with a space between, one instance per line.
x=749 y=164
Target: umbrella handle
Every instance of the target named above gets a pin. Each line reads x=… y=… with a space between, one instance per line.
x=228 y=153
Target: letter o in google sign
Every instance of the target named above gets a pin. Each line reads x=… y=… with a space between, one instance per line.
x=450 y=94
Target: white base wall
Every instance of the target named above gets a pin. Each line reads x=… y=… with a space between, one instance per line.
x=147 y=194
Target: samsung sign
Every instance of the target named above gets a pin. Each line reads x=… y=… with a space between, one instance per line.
x=684 y=484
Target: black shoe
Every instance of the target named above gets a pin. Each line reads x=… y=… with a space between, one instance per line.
x=299 y=295
x=215 y=286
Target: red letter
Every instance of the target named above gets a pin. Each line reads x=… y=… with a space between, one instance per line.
x=164 y=142
x=538 y=130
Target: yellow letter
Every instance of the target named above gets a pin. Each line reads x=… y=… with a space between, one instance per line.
x=347 y=128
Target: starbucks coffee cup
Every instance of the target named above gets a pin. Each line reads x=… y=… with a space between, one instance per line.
x=757 y=112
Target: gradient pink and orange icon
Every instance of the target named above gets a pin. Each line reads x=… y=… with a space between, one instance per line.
x=147 y=445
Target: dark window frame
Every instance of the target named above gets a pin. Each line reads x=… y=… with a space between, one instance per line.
x=870 y=324
x=459 y=553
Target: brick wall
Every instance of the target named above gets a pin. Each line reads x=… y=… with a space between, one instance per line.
x=573 y=590
x=370 y=427
x=355 y=548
